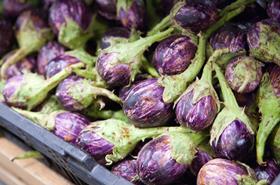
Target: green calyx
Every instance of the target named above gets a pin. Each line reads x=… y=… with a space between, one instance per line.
x=46 y=121
x=124 y=136
x=175 y=85
x=2 y=85
x=275 y=143
x=268 y=47
x=250 y=178
x=51 y=105
x=73 y=36
x=184 y=144
x=269 y=107
x=230 y=112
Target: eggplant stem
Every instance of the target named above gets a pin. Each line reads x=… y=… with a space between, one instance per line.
x=165 y=23
x=106 y=93
x=235 y=5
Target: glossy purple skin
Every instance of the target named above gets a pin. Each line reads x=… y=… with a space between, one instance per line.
x=231 y=36
x=200 y=159
x=273 y=10
x=197 y=116
x=173 y=55
x=59 y=63
x=134 y=16
x=69 y=125
x=127 y=169
x=50 y=51
x=10 y=89
x=66 y=99
x=35 y=17
x=274 y=74
x=107 y=8
x=233 y=78
x=235 y=142
x=26 y=64
x=268 y=172
x=155 y=164
x=6 y=36
x=115 y=75
x=113 y=33
x=74 y=10
x=196 y=17
x=221 y=172
x=94 y=144
x=12 y=8
x=144 y=104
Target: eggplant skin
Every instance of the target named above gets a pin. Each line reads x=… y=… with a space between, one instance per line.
x=235 y=142
x=155 y=164
x=13 y=8
x=200 y=159
x=268 y=172
x=144 y=105
x=273 y=10
x=221 y=172
x=173 y=55
x=69 y=125
x=114 y=33
x=107 y=9
x=6 y=36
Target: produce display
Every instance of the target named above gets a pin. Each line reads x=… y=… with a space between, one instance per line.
x=157 y=91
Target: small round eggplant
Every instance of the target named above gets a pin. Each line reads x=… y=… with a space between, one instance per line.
x=268 y=172
x=194 y=16
x=70 y=20
x=222 y=171
x=27 y=64
x=201 y=158
x=244 y=74
x=76 y=93
x=173 y=55
x=113 y=35
x=118 y=67
x=6 y=36
x=13 y=8
x=127 y=169
x=46 y=54
x=143 y=104
x=232 y=133
x=132 y=14
x=273 y=10
x=58 y=63
x=112 y=140
x=65 y=125
x=231 y=36
x=160 y=161
x=107 y=9
x=261 y=46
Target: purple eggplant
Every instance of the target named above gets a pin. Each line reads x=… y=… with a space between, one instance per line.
x=201 y=158
x=113 y=36
x=127 y=169
x=112 y=140
x=13 y=8
x=231 y=36
x=29 y=90
x=107 y=9
x=166 y=158
x=32 y=32
x=50 y=51
x=263 y=40
x=199 y=105
x=232 y=133
x=273 y=10
x=268 y=172
x=65 y=125
x=6 y=36
x=131 y=14
x=268 y=103
x=143 y=104
x=243 y=74
x=222 y=171
x=117 y=67
x=27 y=64
x=76 y=93
x=174 y=54
x=71 y=22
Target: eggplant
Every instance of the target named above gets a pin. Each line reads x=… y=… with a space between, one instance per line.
x=268 y=172
x=6 y=36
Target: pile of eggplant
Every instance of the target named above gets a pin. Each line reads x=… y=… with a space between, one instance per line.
x=158 y=91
